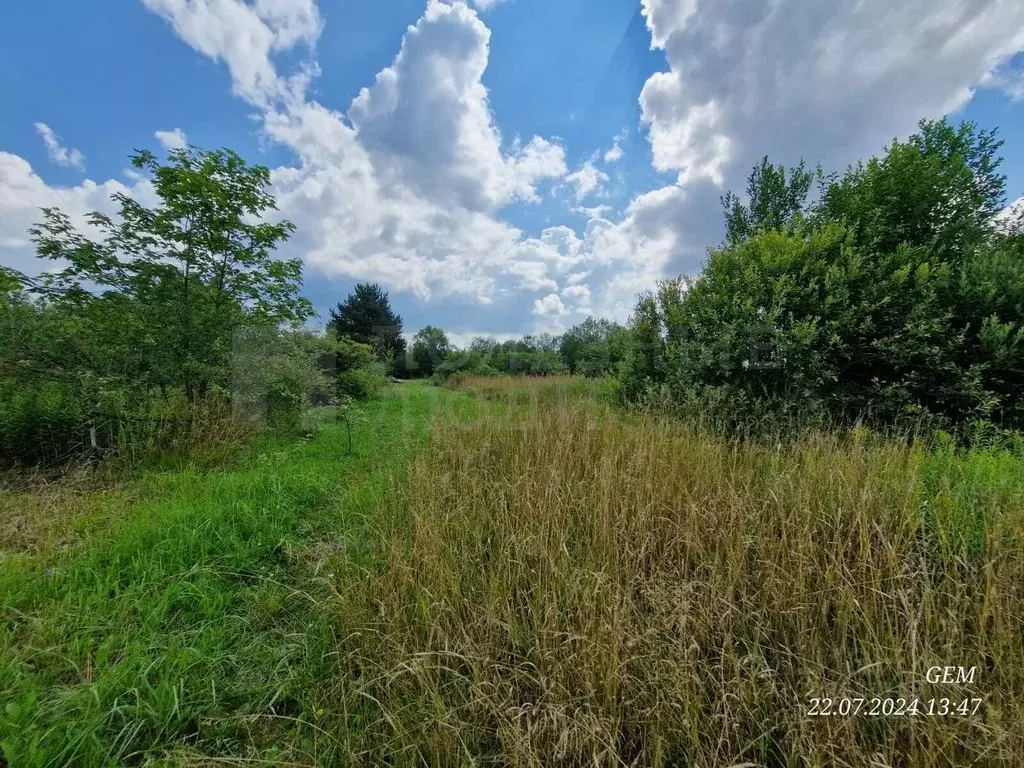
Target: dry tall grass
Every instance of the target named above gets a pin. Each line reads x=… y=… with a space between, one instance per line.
x=571 y=587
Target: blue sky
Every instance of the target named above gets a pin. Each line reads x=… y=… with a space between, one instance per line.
x=502 y=167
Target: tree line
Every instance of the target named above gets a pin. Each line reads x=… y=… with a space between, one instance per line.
x=890 y=293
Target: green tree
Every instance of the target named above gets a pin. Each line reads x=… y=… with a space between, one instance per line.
x=168 y=285
x=577 y=339
x=775 y=200
x=430 y=345
x=940 y=190
x=894 y=295
x=139 y=322
x=595 y=347
x=990 y=307
x=366 y=317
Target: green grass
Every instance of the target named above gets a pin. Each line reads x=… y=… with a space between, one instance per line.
x=512 y=572
x=185 y=610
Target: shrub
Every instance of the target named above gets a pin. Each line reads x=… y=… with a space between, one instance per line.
x=866 y=306
x=42 y=423
x=364 y=382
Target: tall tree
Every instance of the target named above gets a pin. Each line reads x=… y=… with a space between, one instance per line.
x=429 y=348
x=940 y=189
x=366 y=317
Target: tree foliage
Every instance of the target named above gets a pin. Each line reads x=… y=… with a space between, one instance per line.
x=530 y=355
x=146 y=308
x=894 y=295
x=367 y=318
x=776 y=200
x=595 y=347
x=164 y=288
x=429 y=348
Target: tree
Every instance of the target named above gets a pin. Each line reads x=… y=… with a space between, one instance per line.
x=148 y=316
x=366 y=317
x=644 y=366
x=577 y=339
x=358 y=372
x=595 y=347
x=483 y=346
x=878 y=301
x=774 y=201
x=940 y=190
x=429 y=348
x=990 y=307
x=169 y=285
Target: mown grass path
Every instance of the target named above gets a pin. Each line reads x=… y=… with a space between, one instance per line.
x=182 y=614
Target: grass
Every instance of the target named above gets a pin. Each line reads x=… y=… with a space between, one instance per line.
x=182 y=610
x=524 y=577
x=569 y=586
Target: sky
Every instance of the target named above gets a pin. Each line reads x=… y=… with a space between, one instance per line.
x=501 y=167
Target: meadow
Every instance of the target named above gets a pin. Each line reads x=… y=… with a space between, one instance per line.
x=515 y=572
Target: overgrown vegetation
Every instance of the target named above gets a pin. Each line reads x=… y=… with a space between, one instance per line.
x=896 y=296
x=529 y=356
x=569 y=586
x=551 y=581
x=172 y=328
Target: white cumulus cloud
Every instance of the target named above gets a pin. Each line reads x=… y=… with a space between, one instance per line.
x=550 y=306
x=588 y=180
x=23 y=192
x=406 y=184
x=615 y=152
x=831 y=81
x=244 y=36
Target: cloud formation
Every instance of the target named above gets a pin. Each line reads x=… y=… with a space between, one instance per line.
x=56 y=151
x=23 y=193
x=830 y=81
x=588 y=180
x=406 y=185
x=175 y=139
x=615 y=152
x=244 y=36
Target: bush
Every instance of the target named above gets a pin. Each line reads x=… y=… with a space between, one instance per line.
x=42 y=423
x=279 y=374
x=364 y=382
x=462 y=363
x=867 y=306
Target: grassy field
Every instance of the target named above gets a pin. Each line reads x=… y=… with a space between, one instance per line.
x=512 y=573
